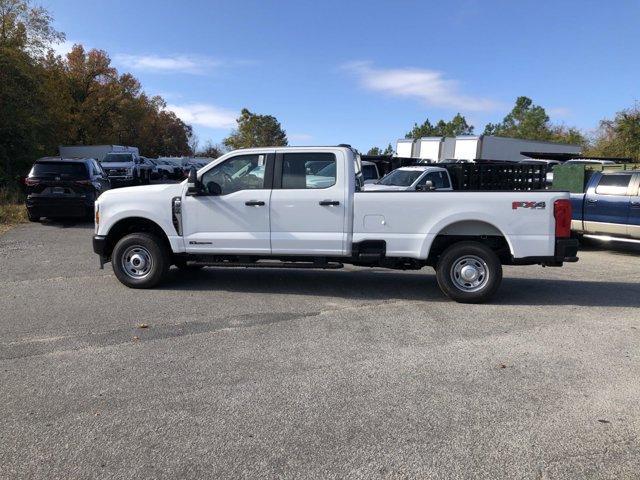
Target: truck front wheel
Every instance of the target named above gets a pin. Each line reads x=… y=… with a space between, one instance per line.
x=469 y=272
x=140 y=260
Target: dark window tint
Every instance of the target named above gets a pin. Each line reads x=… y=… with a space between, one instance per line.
x=244 y=172
x=439 y=180
x=369 y=172
x=614 y=184
x=59 y=169
x=295 y=174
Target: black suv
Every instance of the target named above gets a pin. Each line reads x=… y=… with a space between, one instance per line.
x=60 y=187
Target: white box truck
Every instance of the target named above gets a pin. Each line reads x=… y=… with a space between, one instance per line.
x=94 y=151
x=472 y=147
x=488 y=147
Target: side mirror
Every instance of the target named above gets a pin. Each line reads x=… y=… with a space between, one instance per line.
x=193 y=185
x=427 y=187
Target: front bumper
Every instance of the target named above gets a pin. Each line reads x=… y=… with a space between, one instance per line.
x=566 y=250
x=100 y=244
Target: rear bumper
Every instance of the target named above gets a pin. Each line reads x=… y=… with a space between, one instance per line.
x=52 y=206
x=566 y=250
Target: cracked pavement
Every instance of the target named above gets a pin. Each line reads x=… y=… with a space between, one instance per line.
x=360 y=373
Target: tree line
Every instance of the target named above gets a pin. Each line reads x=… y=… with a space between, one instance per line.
x=47 y=100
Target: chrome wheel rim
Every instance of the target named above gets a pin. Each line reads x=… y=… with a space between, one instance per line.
x=137 y=262
x=470 y=273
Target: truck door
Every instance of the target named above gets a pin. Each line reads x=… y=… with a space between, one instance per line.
x=606 y=207
x=234 y=217
x=307 y=205
x=633 y=227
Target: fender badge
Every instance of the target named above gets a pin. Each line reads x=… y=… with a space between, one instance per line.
x=533 y=205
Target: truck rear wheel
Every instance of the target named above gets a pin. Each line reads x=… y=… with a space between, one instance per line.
x=469 y=272
x=140 y=260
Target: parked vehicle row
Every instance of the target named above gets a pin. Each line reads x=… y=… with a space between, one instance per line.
x=271 y=207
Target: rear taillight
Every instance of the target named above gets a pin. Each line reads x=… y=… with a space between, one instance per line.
x=562 y=214
x=30 y=182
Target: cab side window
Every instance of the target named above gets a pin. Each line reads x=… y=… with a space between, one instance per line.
x=308 y=170
x=244 y=172
x=614 y=184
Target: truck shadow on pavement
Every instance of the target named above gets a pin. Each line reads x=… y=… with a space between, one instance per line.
x=388 y=285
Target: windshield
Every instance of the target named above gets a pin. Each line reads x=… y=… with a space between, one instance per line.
x=58 y=169
x=401 y=178
x=118 y=157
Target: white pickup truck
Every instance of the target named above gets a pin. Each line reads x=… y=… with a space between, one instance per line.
x=262 y=208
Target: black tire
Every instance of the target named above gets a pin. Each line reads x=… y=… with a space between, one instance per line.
x=32 y=217
x=150 y=253
x=478 y=260
x=182 y=264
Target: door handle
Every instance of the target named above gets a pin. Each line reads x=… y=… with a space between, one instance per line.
x=592 y=200
x=333 y=203
x=254 y=203
x=635 y=204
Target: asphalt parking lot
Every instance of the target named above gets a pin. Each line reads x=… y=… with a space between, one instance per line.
x=313 y=374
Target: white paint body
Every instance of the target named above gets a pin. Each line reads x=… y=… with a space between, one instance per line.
x=292 y=222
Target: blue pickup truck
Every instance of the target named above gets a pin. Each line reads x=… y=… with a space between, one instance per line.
x=610 y=206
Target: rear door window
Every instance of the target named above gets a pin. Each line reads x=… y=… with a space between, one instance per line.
x=59 y=169
x=614 y=184
x=296 y=175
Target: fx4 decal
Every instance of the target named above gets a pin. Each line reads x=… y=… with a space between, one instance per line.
x=534 y=205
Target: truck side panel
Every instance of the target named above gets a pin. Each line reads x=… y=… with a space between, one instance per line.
x=409 y=226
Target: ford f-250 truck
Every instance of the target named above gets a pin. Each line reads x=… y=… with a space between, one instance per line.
x=261 y=208
x=610 y=206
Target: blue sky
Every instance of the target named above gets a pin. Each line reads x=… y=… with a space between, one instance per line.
x=364 y=72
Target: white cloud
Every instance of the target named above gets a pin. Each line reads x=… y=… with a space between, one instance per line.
x=193 y=64
x=429 y=86
x=205 y=115
x=558 y=112
x=299 y=137
x=63 y=48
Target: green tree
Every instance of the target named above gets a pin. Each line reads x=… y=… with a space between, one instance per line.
x=374 y=151
x=619 y=137
x=531 y=122
x=25 y=27
x=456 y=126
x=256 y=131
x=212 y=150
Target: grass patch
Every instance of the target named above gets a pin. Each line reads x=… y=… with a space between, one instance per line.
x=12 y=208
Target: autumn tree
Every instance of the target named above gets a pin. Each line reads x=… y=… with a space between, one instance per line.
x=255 y=130
x=619 y=137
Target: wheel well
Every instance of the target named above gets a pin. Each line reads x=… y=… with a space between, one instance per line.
x=470 y=230
x=134 y=225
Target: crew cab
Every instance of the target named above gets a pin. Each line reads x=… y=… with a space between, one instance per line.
x=418 y=177
x=610 y=206
x=260 y=208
